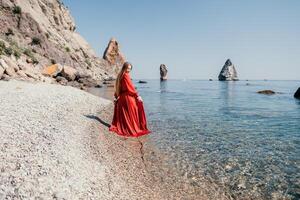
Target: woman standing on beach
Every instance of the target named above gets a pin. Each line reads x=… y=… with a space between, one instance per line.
x=129 y=116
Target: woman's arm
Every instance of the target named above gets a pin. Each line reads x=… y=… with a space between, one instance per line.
x=116 y=97
x=129 y=85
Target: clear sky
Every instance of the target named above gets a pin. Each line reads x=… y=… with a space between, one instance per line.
x=195 y=37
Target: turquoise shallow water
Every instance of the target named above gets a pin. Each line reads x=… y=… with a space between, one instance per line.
x=245 y=143
x=224 y=138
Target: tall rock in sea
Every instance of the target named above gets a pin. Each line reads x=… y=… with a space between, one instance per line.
x=228 y=72
x=113 y=55
x=163 y=72
x=297 y=94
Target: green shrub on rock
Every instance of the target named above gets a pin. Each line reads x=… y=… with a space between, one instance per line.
x=29 y=53
x=17 y=53
x=67 y=49
x=14 y=49
x=9 y=32
x=53 y=61
x=36 y=41
x=17 y=10
x=9 y=51
x=2 y=47
x=88 y=63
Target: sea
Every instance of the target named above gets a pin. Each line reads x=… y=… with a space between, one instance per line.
x=226 y=134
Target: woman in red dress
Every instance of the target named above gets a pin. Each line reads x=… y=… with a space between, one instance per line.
x=129 y=116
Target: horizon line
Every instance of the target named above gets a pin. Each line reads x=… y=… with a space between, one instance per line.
x=217 y=79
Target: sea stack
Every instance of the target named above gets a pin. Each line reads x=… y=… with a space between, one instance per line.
x=228 y=72
x=297 y=94
x=112 y=53
x=163 y=72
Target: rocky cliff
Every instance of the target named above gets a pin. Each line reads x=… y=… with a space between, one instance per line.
x=36 y=34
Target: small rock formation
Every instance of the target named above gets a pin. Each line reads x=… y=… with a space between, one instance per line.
x=210 y=79
x=62 y=80
x=112 y=53
x=297 y=94
x=1 y=72
x=10 y=71
x=267 y=92
x=3 y=64
x=108 y=83
x=163 y=72
x=228 y=72
x=140 y=81
x=52 y=70
x=69 y=73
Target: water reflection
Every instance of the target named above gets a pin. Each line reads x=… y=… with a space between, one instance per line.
x=163 y=96
x=163 y=86
x=244 y=144
x=227 y=92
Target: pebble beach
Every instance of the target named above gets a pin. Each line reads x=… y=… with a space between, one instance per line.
x=55 y=145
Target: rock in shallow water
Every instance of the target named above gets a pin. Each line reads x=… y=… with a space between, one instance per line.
x=163 y=72
x=267 y=92
x=142 y=81
x=297 y=94
x=228 y=72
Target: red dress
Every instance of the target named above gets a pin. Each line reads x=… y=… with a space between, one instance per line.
x=129 y=116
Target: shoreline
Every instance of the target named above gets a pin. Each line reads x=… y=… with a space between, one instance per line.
x=55 y=144
x=44 y=151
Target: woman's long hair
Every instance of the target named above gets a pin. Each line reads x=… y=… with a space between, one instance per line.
x=118 y=80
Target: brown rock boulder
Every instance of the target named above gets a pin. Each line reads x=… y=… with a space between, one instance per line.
x=32 y=75
x=113 y=54
x=1 y=72
x=69 y=73
x=5 y=77
x=52 y=70
x=3 y=64
x=10 y=71
x=12 y=64
x=21 y=73
x=61 y=80
x=89 y=82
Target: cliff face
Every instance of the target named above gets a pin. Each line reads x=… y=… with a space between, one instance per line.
x=37 y=33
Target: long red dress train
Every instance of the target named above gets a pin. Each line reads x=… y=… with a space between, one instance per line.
x=129 y=116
